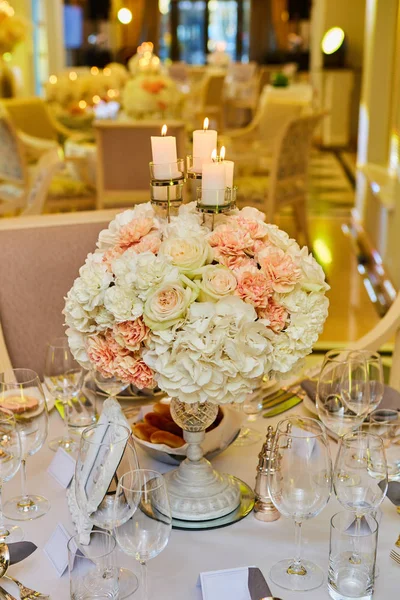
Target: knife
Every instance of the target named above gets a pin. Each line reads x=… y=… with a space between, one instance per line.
x=258 y=587
x=20 y=550
x=277 y=400
x=283 y=407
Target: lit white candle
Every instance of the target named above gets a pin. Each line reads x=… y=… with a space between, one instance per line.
x=229 y=168
x=213 y=183
x=204 y=142
x=164 y=155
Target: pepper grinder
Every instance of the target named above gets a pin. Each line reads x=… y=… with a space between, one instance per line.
x=264 y=509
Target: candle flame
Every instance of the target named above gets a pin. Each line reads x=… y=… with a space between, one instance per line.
x=214 y=155
x=222 y=153
x=164 y=130
x=206 y=123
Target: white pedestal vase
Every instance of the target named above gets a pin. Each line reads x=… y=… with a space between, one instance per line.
x=197 y=492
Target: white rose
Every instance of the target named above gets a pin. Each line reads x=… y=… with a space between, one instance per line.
x=122 y=304
x=251 y=213
x=313 y=279
x=187 y=253
x=167 y=304
x=280 y=238
x=216 y=282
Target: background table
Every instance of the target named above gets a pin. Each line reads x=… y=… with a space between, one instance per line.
x=174 y=573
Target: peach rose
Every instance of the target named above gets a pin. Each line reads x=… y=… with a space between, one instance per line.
x=279 y=268
x=130 y=334
x=232 y=247
x=275 y=314
x=254 y=288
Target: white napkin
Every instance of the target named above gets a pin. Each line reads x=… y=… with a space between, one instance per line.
x=229 y=584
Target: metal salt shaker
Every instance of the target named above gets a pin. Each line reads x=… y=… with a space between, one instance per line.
x=264 y=509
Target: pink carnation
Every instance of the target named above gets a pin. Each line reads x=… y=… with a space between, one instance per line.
x=135 y=371
x=134 y=231
x=254 y=288
x=232 y=247
x=256 y=229
x=130 y=334
x=279 y=268
x=149 y=243
x=276 y=315
x=100 y=354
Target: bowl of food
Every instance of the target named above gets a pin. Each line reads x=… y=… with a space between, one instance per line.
x=158 y=435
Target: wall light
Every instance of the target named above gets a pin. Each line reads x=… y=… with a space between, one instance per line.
x=124 y=16
x=333 y=46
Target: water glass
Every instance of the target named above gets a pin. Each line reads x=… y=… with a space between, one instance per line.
x=386 y=424
x=10 y=461
x=348 y=579
x=92 y=572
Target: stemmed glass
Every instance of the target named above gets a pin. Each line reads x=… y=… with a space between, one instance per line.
x=63 y=377
x=23 y=387
x=143 y=517
x=300 y=487
x=360 y=475
x=106 y=452
x=375 y=376
x=10 y=460
x=343 y=391
x=110 y=385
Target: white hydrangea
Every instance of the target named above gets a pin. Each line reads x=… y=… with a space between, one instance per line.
x=94 y=279
x=123 y=304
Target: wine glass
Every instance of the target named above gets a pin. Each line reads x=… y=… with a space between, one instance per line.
x=10 y=460
x=342 y=398
x=143 y=517
x=360 y=477
x=63 y=377
x=23 y=389
x=106 y=452
x=375 y=376
x=300 y=487
x=110 y=385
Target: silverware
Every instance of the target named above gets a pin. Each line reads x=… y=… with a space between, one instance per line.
x=283 y=407
x=6 y=595
x=258 y=587
x=395 y=556
x=25 y=592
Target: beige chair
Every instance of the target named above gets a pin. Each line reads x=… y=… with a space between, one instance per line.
x=178 y=71
x=32 y=116
x=40 y=259
x=123 y=157
x=210 y=99
x=287 y=183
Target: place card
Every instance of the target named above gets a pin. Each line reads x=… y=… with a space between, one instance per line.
x=229 y=584
x=62 y=467
x=56 y=549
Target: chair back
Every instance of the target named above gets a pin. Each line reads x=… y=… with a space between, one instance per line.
x=178 y=71
x=242 y=72
x=45 y=169
x=213 y=87
x=40 y=259
x=289 y=169
x=31 y=116
x=123 y=157
x=13 y=166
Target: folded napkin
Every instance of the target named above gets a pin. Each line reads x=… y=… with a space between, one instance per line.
x=20 y=550
x=390 y=400
x=393 y=491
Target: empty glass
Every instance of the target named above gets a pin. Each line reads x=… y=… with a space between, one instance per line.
x=22 y=387
x=386 y=424
x=92 y=572
x=10 y=460
x=347 y=579
x=300 y=488
x=143 y=523
x=110 y=385
x=63 y=377
x=375 y=376
x=106 y=452
x=343 y=394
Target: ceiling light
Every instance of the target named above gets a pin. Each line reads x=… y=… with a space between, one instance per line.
x=124 y=16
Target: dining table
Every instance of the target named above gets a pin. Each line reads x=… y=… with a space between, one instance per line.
x=174 y=574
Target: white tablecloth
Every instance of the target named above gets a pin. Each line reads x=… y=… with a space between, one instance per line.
x=173 y=574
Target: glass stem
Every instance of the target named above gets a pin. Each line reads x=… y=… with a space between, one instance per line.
x=25 y=503
x=145 y=591
x=355 y=557
x=296 y=568
x=3 y=531
x=66 y=430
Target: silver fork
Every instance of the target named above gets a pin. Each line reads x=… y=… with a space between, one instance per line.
x=395 y=556
x=25 y=592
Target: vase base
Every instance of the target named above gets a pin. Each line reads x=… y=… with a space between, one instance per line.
x=199 y=493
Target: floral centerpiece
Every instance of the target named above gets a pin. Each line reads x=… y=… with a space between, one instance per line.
x=151 y=95
x=204 y=314
x=13 y=30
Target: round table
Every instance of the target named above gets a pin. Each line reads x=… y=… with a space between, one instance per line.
x=174 y=573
